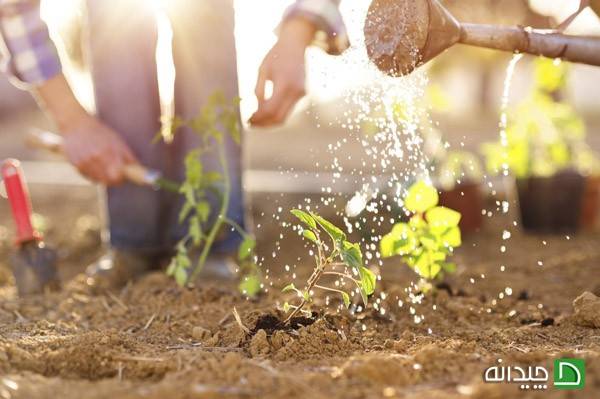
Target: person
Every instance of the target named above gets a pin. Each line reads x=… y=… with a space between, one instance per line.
x=122 y=34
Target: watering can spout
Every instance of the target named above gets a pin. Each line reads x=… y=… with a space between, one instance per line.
x=401 y=35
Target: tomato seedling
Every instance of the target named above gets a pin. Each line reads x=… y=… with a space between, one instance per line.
x=217 y=119
x=429 y=237
x=342 y=260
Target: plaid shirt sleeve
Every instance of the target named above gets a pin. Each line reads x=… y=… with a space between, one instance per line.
x=27 y=52
x=325 y=14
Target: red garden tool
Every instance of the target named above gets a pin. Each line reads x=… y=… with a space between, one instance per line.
x=33 y=263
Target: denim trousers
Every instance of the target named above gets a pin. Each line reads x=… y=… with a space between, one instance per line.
x=122 y=36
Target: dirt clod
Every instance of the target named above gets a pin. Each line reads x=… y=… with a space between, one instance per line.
x=587 y=310
x=259 y=345
x=201 y=334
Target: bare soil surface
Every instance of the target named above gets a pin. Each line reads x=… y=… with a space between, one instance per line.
x=155 y=340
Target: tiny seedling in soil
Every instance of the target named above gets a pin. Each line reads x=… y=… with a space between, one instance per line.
x=429 y=237
x=217 y=119
x=342 y=260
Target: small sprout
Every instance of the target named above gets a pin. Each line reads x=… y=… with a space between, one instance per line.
x=429 y=237
x=343 y=260
x=215 y=120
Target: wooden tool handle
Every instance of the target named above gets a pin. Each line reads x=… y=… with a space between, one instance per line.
x=134 y=173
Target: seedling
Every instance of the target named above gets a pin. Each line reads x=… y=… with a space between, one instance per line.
x=543 y=135
x=430 y=236
x=342 y=259
x=217 y=119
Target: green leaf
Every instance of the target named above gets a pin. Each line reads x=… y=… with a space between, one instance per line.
x=286 y=307
x=304 y=218
x=185 y=211
x=346 y=299
x=246 y=248
x=400 y=241
x=421 y=197
x=428 y=241
x=334 y=232
x=441 y=216
x=188 y=190
x=452 y=237
x=386 y=246
x=351 y=254
x=203 y=211
x=181 y=276
x=172 y=267
x=437 y=256
x=193 y=168
x=306 y=296
x=289 y=287
x=308 y=234
x=212 y=177
x=250 y=285
x=428 y=270
x=195 y=230
x=367 y=283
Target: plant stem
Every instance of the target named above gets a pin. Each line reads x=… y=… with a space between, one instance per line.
x=220 y=217
x=236 y=226
x=312 y=281
x=329 y=289
x=341 y=275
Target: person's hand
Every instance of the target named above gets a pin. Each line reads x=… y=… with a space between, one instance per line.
x=97 y=151
x=284 y=68
x=92 y=147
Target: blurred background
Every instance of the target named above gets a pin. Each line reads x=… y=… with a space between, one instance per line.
x=463 y=90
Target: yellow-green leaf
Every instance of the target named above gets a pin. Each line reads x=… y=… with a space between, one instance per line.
x=308 y=234
x=246 y=248
x=421 y=197
x=346 y=299
x=440 y=216
x=452 y=237
x=250 y=285
x=428 y=270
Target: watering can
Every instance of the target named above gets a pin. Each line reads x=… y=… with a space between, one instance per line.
x=401 y=35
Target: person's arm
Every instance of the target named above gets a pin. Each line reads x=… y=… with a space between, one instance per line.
x=306 y=22
x=31 y=59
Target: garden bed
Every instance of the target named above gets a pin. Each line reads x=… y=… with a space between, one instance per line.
x=154 y=339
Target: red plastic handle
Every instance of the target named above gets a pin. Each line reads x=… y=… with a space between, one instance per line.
x=18 y=196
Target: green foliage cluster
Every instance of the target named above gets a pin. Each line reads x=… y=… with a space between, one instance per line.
x=543 y=135
x=217 y=119
x=342 y=259
x=429 y=237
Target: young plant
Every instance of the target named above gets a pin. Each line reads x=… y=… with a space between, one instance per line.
x=430 y=236
x=543 y=135
x=342 y=259
x=216 y=120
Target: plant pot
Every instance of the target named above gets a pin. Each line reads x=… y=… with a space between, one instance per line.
x=588 y=218
x=552 y=204
x=465 y=198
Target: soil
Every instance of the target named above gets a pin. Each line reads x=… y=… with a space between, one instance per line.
x=153 y=339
